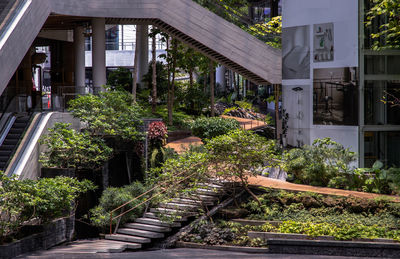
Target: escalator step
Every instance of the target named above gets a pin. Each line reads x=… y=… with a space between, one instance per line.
x=8 y=141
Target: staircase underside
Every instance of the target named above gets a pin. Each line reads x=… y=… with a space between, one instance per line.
x=215 y=37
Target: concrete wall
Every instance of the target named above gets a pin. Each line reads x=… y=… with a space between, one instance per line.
x=31 y=169
x=343 y=14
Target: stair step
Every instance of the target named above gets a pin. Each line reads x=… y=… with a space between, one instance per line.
x=140 y=233
x=8 y=141
x=19 y=125
x=172 y=212
x=5 y=153
x=211 y=186
x=152 y=215
x=13 y=136
x=180 y=206
x=7 y=147
x=206 y=192
x=191 y=201
x=204 y=198
x=128 y=238
x=147 y=227
x=157 y=222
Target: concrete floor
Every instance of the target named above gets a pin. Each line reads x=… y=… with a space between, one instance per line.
x=170 y=254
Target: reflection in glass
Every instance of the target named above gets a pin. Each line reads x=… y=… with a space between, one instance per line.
x=383 y=146
x=376 y=111
x=335 y=96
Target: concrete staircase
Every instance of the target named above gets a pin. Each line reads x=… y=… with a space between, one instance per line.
x=155 y=224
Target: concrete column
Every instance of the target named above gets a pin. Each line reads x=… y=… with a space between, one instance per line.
x=79 y=48
x=220 y=78
x=143 y=45
x=99 y=54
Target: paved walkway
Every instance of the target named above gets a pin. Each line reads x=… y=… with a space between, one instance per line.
x=247 y=124
x=278 y=184
x=183 y=144
x=179 y=253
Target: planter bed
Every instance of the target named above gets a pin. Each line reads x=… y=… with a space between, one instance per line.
x=272 y=235
x=250 y=222
x=52 y=234
x=337 y=248
x=244 y=249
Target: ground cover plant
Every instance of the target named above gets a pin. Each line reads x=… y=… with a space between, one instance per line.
x=280 y=205
x=208 y=128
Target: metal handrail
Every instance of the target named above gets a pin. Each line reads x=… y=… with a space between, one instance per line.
x=152 y=197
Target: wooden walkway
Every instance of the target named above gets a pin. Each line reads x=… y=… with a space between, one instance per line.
x=183 y=144
x=263 y=181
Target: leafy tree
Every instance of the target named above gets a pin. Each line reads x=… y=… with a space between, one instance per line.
x=110 y=113
x=67 y=148
x=388 y=34
x=238 y=153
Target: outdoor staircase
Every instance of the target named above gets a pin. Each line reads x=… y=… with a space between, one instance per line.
x=11 y=141
x=151 y=228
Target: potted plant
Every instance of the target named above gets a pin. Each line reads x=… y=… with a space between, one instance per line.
x=68 y=150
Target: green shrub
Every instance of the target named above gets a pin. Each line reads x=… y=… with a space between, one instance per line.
x=114 y=197
x=44 y=199
x=325 y=163
x=67 y=148
x=110 y=113
x=208 y=128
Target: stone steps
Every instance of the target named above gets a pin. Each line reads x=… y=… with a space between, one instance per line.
x=128 y=238
x=157 y=222
x=140 y=233
x=147 y=227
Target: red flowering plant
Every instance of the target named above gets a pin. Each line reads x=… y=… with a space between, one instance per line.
x=157 y=133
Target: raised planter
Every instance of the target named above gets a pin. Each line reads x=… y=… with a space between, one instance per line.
x=337 y=248
x=272 y=235
x=51 y=234
x=244 y=249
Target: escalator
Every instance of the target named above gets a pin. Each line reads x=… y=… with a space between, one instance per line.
x=11 y=136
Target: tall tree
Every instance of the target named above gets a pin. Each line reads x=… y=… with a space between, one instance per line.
x=135 y=66
x=153 y=35
x=212 y=86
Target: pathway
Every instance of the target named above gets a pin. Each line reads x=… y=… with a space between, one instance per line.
x=278 y=184
x=182 y=145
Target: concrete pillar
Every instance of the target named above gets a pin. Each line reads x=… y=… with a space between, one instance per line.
x=79 y=49
x=143 y=45
x=98 y=54
x=220 y=78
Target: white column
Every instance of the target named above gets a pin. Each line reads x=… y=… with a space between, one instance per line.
x=79 y=46
x=220 y=78
x=143 y=45
x=98 y=54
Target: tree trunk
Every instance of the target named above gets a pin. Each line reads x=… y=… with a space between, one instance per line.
x=191 y=81
x=135 y=66
x=276 y=93
x=154 y=76
x=212 y=82
x=172 y=90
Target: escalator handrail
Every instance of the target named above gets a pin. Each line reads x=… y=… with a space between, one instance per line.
x=6 y=129
x=10 y=17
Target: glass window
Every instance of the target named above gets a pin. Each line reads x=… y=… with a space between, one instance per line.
x=335 y=96
x=383 y=146
x=376 y=110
